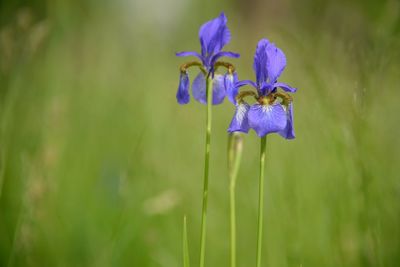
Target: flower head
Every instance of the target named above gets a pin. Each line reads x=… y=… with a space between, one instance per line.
x=213 y=35
x=273 y=111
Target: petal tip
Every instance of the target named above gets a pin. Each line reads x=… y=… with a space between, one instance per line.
x=183 y=101
x=223 y=16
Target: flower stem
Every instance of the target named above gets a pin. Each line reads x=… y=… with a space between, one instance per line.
x=209 y=85
x=233 y=225
x=234 y=157
x=261 y=199
x=185 y=247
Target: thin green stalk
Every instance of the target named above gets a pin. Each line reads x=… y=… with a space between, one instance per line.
x=209 y=86
x=185 y=247
x=261 y=198
x=234 y=157
x=233 y=225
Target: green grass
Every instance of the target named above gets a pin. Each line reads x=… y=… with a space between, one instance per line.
x=99 y=163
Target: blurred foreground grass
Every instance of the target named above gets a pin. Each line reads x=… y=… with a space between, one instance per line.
x=99 y=163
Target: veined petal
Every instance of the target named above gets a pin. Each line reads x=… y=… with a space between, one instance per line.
x=240 y=121
x=199 y=89
x=276 y=62
x=182 y=95
x=219 y=91
x=285 y=87
x=188 y=54
x=269 y=62
x=288 y=132
x=223 y=54
x=265 y=119
x=214 y=35
x=231 y=89
x=260 y=61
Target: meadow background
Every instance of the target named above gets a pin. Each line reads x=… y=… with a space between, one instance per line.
x=98 y=163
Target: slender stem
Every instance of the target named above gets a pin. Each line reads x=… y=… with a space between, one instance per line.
x=185 y=247
x=234 y=156
x=261 y=199
x=233 y=225
x=209 y=85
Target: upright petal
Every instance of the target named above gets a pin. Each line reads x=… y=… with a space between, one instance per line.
x=260 y=62
x=240 y=122
x=214 y=35
x=276 y=62
x=231 y=89
x=182 y=95
x=199 y=89
x=269 y=62
x=265 y=119
x=288 y=132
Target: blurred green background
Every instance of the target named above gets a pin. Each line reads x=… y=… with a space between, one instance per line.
x=98 y=163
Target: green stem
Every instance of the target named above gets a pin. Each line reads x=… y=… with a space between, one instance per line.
x=185 y=247
x=233 y=225
x=234 y=157
x=209 y=86
x=261 y=199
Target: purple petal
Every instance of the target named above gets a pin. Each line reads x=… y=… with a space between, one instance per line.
x=231 y=89
x=276 y=62
x=246 y=82
x=199 y=89
x=223 y=54
x=219 y=91
x=266 y=88
x=285 y=87
x=288 y=132
x=260 y=61
x=269 y=62
x=214 y=35
x=188 y=54
x=240 y=121
x=265 y=119
x=182 y=95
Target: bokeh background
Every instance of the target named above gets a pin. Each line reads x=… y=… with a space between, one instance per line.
x=98 y=163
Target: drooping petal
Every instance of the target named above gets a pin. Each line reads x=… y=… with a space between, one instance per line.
x=223 y=54
x=199 y=89
x=288 y=132
x=245 y=82
x=260 y=62
x=276 y=62
x=182 y=95
x=231 y=89
x=265 y=119
x=240 y=121
x=213 y=35
x=219 y=91
x=188 y=54
x=285 y=87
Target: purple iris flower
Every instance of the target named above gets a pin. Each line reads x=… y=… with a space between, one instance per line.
x=273 y=111
x=213 y=35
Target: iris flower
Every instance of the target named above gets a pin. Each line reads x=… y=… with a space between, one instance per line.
x=213 y=35
x=273 y=110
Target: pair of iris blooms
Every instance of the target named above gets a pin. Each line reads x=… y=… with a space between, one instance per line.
x=272 y=110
